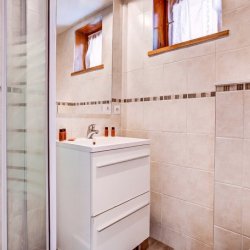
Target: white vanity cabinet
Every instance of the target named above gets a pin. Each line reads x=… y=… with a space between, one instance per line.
x=103 y=193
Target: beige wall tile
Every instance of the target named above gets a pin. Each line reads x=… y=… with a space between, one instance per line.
x=229 y=160
x=99 y=88
x=238 y=23
x=246 y=243
x=200 y=115
x=187 y=218
x=134 y=84
x=228 y=5
x=136 y=134
x=246 y=212
x=199 y=50
x=200 y=151
x=228 y=207
x=173 y=239
x=247 y=114
x=226 y=70
x=155 y=231
x=226 y=240
x=192 y=244
x=246 y=165
x=155 y=208
x=147 y=5
x=156 y=178
x=173 y=148
x=153 y=60
x=229 y=114
x=199 y=223
x=201 y=187
x=157 y=146
x=179 y=55
x=175 y=78
x=135 y=7
x=123 y=116
x=175 y=181
x=173 y=214
x=232 y=5
x=134 y=116
x=201 y=74
x=152 y=81
x=147 y=32
x=188 y=184
x=152 y=115
x=174 y=114
x=135 y=52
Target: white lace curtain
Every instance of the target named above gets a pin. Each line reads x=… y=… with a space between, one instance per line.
x=191 y=19
x=94 y=53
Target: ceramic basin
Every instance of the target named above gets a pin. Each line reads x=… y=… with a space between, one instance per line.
x=100 y=143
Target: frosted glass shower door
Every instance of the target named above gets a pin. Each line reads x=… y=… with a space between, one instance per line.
x=27 y=124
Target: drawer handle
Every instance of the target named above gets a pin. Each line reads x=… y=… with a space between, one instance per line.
x=111 y=223
x=121 y=161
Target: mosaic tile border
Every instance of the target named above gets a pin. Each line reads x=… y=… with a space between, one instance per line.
x=233 y=87
x=219 y=88
x=166 y=97
x=83 y=103
x=141 y=99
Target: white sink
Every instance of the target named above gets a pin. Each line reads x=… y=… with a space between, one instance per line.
x=100 y=143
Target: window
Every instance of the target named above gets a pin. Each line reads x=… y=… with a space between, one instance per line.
x=190 y=19
x=88 y=48
x=179 y=21
x=94 y=52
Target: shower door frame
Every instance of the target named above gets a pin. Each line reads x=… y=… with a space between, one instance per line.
x=51 y=91
x=3 y=58
x=52 y=14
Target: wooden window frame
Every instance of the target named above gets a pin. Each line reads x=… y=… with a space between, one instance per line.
x=81 y=40
x=161 y=31
x=160 y=24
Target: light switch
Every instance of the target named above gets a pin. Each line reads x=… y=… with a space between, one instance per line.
x=117 y=109
x=106 y=109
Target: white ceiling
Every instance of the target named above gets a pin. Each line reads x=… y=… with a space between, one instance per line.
x=69 y=12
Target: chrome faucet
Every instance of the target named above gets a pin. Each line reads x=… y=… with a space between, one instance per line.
x=91 y=131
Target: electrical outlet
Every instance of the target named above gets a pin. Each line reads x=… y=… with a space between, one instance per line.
x=106 y=109
x=117 y=109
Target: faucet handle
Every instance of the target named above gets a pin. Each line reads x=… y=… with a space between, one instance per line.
x=92 y=126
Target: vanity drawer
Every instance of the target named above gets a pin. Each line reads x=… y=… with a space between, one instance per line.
x=119 y=176
x=123 y=227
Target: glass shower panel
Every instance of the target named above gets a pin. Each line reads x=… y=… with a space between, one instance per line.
x=1 y=111
x=27 y=124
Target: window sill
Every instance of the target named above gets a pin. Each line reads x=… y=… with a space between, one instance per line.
x=88 y=70
x=189 y=43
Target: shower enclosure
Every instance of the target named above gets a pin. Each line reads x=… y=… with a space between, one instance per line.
x=25 y=116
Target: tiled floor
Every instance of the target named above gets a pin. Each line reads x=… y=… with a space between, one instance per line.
x=152 y=244
x=156 y=245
